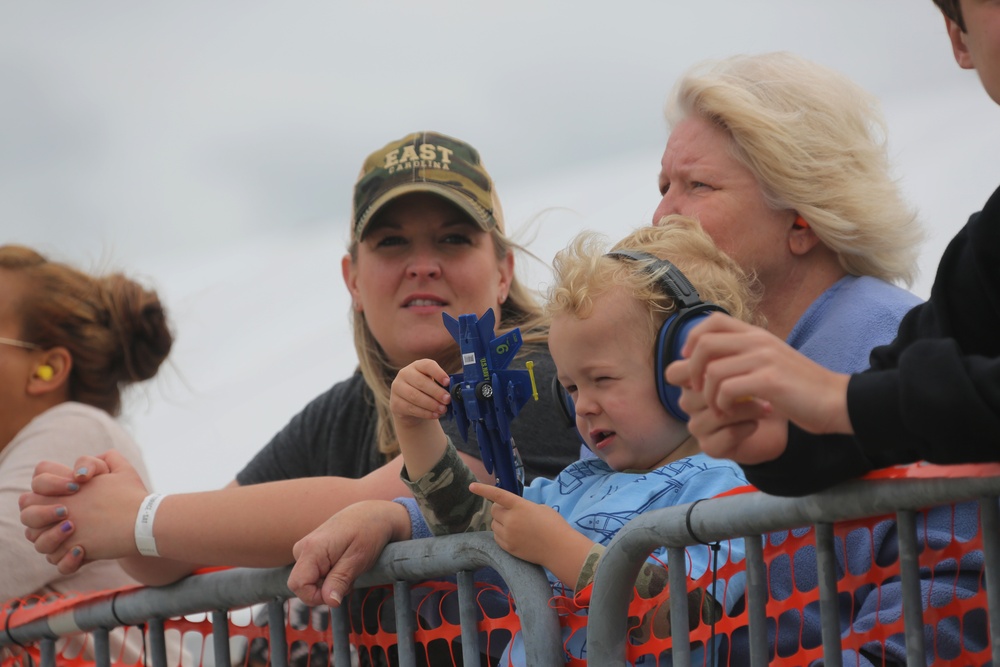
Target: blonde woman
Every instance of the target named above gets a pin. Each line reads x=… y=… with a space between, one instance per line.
x=427 y=237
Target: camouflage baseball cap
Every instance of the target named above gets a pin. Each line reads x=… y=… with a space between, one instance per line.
x=426 y=162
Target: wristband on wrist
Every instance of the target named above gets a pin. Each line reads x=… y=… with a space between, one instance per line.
x=144 y=540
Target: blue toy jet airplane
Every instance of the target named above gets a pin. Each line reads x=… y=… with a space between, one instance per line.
x=488 y=395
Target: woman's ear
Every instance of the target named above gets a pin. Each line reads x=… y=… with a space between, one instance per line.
x=52 y=372
x=350 y=272
x=801 y=237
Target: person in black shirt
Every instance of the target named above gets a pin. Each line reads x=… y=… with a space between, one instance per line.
x=427 y=237
x=932 y=394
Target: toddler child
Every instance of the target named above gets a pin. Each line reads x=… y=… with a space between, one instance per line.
x=609 y=311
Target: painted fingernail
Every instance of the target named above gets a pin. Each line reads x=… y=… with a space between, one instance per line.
x=60 y=511
x=81 y=471
x=66 y=526
x=77 y=552
x=73 y=486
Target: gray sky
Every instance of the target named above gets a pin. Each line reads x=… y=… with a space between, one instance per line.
x=211 y=148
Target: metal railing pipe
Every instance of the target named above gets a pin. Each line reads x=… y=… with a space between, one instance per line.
x=753 y=513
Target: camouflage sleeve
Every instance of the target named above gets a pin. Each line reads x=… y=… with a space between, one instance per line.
x=650 y=583
x=444 y=498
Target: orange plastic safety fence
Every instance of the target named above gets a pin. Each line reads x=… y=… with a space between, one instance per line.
x=437 y=629
x=372 y=633
x=953 y=595
x=950 y=558
x=72 y=651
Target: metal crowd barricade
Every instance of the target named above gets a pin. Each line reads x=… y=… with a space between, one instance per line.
x=752 y=516
x=217 y=592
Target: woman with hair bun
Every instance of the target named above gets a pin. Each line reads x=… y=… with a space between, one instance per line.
x=70 y=343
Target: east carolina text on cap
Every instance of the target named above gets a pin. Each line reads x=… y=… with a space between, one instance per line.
x=426 y=162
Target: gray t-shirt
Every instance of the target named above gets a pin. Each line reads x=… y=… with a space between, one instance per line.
x=62 y=433
x=335 y=433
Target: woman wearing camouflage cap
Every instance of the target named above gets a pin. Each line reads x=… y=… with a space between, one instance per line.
x=427 y=237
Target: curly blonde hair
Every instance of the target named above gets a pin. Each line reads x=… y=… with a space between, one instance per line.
x=584 y=272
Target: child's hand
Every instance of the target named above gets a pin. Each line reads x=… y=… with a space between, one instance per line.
x=532 y=532
x=418 y=393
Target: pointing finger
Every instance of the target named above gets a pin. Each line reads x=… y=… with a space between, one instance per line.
x=494 y=494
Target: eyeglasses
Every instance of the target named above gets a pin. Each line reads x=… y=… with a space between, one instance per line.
x=19 y=343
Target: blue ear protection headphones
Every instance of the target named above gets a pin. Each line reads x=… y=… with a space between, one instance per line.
x=669 y=339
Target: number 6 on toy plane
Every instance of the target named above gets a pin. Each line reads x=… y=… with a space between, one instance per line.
x=490 y=396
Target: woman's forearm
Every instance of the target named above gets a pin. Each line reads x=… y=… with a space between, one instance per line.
x=250 y=526
x=156 y=571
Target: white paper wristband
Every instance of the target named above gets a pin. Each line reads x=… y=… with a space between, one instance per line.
x=144 y=540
